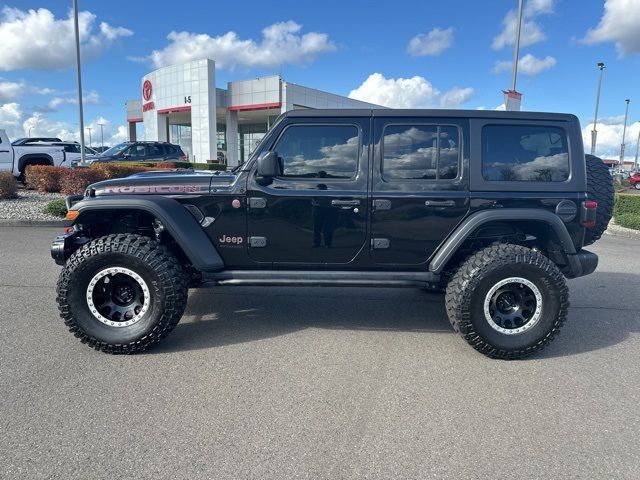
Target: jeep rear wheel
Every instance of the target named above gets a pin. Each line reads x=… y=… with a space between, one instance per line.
x=122 y=293
x=507 y=301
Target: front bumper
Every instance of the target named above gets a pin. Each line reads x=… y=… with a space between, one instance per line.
x=64 y=245
x=581 y=263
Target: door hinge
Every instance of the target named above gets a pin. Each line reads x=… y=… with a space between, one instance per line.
x=379 y=243
x=257 y=202
x=258 y=242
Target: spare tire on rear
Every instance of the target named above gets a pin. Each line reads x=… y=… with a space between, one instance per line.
x=600 y=189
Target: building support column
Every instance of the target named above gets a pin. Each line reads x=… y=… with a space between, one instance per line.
x=132 y=132
x=163 y=128
x=232 y=138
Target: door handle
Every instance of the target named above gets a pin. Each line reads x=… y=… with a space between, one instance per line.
x=440 y=203
x=4 y=151
x=345 y=203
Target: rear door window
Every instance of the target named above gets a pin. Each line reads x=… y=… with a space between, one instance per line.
x=427 y=152
x=524 y=153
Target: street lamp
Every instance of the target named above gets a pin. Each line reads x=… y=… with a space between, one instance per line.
x=594 y=132
x=29 y=132
x=101 y=136
x=79 y=78
x=624 y=133
x=635 y=162
x=512 y=97
x=89 y=128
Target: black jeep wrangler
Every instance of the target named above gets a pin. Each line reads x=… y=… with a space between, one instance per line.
x=493 y=207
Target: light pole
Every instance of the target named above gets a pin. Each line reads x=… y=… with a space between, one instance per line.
x=624 y=133
x=79 y=77
x=89 y=128
x=29 y=132
x=635 y=162
x=511 y=97
x=594 y=132
x=101 y=136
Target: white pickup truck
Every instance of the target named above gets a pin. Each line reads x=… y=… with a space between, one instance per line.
x=16 y=159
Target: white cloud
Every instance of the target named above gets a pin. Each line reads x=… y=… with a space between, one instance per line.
x=455 y=97
x=10 y=116
x=35 y=39
x=11 y=90
x=280 y=43
x=610 y=138
x=619 y=24
x=414 y=92
x=530 y=32
x=90 y=98
x=527 y=65
x=112 y=33
x=433 y=43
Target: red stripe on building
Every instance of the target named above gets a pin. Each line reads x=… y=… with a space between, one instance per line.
x=255 y=106
x=175 y=109
x=135 y=120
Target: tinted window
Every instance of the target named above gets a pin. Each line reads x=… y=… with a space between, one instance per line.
x=155 y=151
x=137 y=151
x=319 y=151
x=420 y=152
x=524 y=153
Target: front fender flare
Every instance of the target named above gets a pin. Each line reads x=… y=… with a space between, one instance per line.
x=176 y=219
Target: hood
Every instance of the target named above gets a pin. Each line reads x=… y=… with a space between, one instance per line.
x=166 y=182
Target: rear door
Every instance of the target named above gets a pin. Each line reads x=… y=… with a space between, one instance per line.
x=6 y=155
x=155 y=153
x=419 y=187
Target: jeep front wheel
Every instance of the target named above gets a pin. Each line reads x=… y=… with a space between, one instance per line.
x=122 y=293
x=507 y=301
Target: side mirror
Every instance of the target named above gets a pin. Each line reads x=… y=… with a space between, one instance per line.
x=269 y=165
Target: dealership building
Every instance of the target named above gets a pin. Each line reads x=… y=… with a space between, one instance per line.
x=181 y=104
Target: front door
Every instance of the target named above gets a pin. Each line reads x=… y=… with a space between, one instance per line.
x=419 y=189
x=316 y=211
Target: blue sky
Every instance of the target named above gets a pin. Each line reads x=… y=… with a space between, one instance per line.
x=453 y=61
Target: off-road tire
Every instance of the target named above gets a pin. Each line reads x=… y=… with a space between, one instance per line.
x=474 y=279
x=160 y=270
x=600 y=189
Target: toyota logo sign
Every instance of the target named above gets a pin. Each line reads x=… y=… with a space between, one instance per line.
x=147 y=90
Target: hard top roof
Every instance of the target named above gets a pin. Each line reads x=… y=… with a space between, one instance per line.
x=438 y=113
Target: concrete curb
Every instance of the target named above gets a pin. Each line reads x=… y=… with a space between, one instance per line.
x=32 y=223
x=619 y=231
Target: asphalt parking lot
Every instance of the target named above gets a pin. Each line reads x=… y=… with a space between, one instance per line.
x=317 y=383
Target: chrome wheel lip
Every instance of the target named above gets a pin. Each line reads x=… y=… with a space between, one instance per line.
x=112 y=271
x=528 y=325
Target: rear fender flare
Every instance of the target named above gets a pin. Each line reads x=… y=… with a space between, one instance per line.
x=471 y=223
x=33 y=156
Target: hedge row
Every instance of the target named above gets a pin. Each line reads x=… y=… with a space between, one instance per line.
x=627 y=203
x=627 y=210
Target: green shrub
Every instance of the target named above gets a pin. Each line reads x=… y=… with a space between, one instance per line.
x=626 y=203
x=629 y=220
x=44 y=178
x=56 y=207
x=8 y=186
x=76 y=180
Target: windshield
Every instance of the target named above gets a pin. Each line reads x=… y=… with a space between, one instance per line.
x=115 y=150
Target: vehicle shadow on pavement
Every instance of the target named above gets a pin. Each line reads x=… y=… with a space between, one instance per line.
x=604 y=312
x=233 y=315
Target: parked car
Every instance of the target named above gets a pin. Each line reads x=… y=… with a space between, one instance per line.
x=496 y=207
x=29 y=140
x=141 y=152
x=72 y=150
x=634 y=180
x=17 y=158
